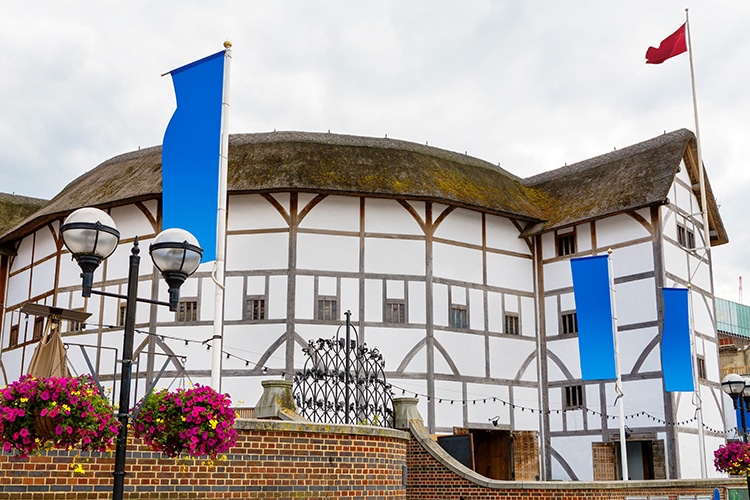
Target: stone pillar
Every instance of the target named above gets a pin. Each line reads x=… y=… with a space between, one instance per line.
x=277 y=396
x=405 y=409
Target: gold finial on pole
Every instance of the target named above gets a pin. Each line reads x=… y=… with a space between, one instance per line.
x=227 y=44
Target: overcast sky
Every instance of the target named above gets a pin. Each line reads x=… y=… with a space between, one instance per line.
x=530 y=85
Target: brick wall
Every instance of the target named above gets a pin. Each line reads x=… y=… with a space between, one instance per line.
x=272 y=459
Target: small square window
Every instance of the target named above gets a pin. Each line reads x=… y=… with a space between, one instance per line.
x=395 y=312
x=38 y=327
x=569 y=323
x=685 y=237
x=701 y=367
x=76 y=326
x=566 y=244
x=13 y=340
x=459 y=317
x=255 y=308
x=511 y=324
x=573 y=397
x=328 y=309
x=187 y=311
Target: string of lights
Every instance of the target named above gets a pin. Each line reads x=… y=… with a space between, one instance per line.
x=449 y=401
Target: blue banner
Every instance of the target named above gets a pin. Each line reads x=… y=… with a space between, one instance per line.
x=191 y=149
x=676 y=358
x=596 y=343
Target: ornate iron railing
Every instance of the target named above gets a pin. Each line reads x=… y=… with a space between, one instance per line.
x=343 y=382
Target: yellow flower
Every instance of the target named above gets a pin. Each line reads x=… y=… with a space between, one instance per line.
x=24 y=400
x=213 y=423
x=78 y=468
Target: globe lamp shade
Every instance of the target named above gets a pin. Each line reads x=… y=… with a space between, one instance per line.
x=91 y=236
x=733 y=384
x=176 y=254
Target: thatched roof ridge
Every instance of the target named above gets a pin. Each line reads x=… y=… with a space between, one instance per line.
x=15 y=208
x=626 y=179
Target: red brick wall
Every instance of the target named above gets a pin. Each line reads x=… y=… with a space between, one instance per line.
x=271 y=460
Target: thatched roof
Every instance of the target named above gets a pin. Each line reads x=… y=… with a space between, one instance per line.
x=14 y=209
x=626 y=179
x=340 y=164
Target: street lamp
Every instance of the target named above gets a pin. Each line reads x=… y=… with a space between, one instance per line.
x=735 y=385
x=91 y=236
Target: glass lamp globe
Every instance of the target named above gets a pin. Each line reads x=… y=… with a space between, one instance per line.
x=176 y=254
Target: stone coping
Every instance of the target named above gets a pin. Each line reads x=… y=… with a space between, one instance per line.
x=420 y=433
x=311 y=427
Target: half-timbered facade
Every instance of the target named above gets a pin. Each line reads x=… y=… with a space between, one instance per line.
x=455 y=269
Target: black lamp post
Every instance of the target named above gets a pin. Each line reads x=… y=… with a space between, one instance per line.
x=91 y=236
x=737 y=387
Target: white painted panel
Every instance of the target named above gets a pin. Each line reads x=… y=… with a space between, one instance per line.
x=304 y=301
x=440 y=304
x=675 y=261
x=476 y=309
x=18 y=288
x=234 y=300
x=634 y=259
x=592 y=401
x=256 y=285
x=573 y=419
x=395 y=344
x=448 y=415
x=336 y=213
x=458 y=295
x=257 y=251
x=393 y=256
x=44 y=245
x=583 y=237
x=350 y=297
x=557 y=275
x=567 y=302
x=461 y=225
x=503 y=235
x=418 y=362
x=328 y=252
x=277 y=297
x=511 y=304
x=388 y=217
x=374 y=300
x=70 y=273
x=528 y=317
x=495 y=312
x=566 y=353
x=132 y=221
x=548 y=246
x=576 y=452
x=23 y=256
x=636 y=301
x=208 y=300
x=327 y=285
x=481 y=408
x=466 y=350
x=614 y=230
x=509 y=272
x=701 y=274
x=507 y=355
x=528 y=398
x=551 y=316
x=689 y=451
x=632 y=345
x=395 y=289
x=457 y=263
x=254 y=212
x=417 y=302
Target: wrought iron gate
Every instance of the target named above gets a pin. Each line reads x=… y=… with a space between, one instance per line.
x=343 y=382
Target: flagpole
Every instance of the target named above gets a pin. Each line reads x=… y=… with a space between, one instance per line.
x=706 y=244
x=221 y=229
x=618 y=372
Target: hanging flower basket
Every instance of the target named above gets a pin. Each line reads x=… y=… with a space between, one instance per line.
x=56 y=412
x=197 y=422
x=733 y=458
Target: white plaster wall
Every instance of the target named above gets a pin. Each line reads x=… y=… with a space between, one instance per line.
x=476 y=309
x=632 y=344
x=440 y=304
x=417 y=302
x=465 y=350
x=252 y=212
x=457 y=263
x=551 y=316
x=234 y=298
x=394 y=256
x=132 y=221
x=510 y=272
x=636 y=301
x=548 y=246
x=557 y=275
x=495 y=312
x=566 y=350
x=481 y=408
x=394 y=343
x=23 y=254
x=461 y=225
x=257 y=251
x=507 y=356
x=619 y=228
x=576 y=451
x=389 y=217
x=447 y=415
x=503 y=235
x=327 y=252
x=350 y=297
x=633 y=259
x=528 y=317
x=18 y=288
x=374 y=300
x=583 y=238
x=277 y=298
x=527 y=397
x=335 y=213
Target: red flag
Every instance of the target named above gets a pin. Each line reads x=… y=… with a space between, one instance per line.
x=671 y=46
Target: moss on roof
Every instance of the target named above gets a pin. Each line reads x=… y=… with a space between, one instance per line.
x=14 y=209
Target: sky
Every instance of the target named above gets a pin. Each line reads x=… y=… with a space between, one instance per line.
x=529 y=85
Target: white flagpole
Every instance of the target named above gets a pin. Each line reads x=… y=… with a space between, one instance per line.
x=618 y=374
x=707 y=247
x=221 y=229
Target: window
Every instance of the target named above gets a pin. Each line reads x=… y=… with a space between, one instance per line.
x=76 y=326
x=38 y=327
x=569 y=323
x=121 y=315
x=511 y=324
x=573 y=397
x=255 y=308
x=327 y=309
x=701 y=367
x=566 y=244
x=685 y=237
x=13 y=341
x=395 y=312
x=459 y=317
x=187 y=311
